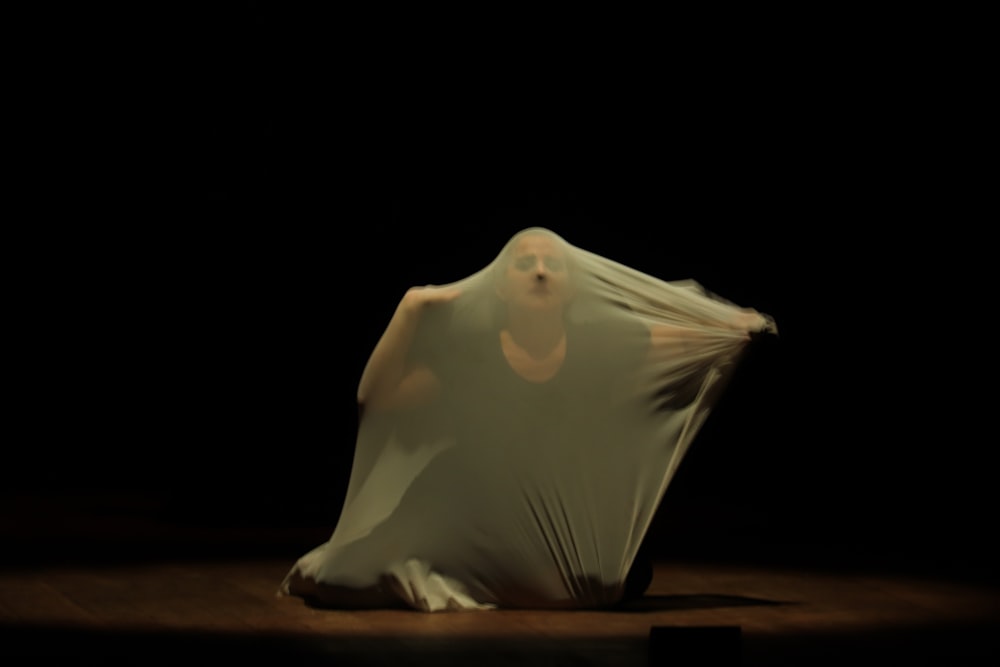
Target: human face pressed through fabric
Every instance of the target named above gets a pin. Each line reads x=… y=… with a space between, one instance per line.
x=536 y=276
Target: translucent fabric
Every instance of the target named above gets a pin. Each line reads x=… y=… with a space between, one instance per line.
x=518 y=430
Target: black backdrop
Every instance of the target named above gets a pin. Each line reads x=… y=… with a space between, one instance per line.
x=235 y=215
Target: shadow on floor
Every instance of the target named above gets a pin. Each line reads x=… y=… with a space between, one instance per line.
x=653 y=603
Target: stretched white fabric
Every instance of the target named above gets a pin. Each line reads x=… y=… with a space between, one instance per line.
x=518 y=430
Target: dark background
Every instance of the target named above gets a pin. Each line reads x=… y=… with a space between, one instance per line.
x=224 y=216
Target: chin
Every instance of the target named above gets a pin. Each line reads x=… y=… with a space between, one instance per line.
x=542 y=304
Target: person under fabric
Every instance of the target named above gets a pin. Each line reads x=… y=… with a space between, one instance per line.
x=517 y=430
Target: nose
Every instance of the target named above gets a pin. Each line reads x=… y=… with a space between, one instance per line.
x=540 y=271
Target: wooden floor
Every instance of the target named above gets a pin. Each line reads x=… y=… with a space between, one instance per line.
x=175 y=611
x=113 y=580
